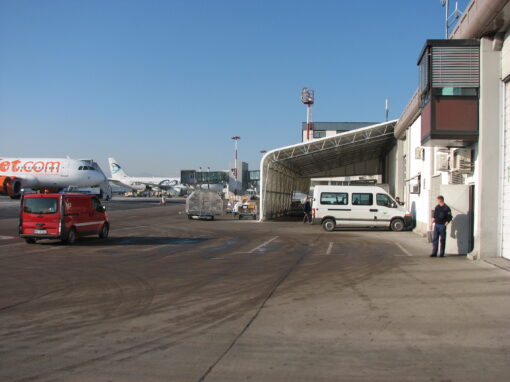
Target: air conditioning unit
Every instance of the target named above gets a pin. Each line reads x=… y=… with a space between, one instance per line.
x=442 y=161
x=419 y=153
x=461 y=161
x=414 y=188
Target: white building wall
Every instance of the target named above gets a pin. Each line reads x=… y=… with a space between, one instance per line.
x=504 y=231
x=488 y=158
x=392 y=166
x=420 y=170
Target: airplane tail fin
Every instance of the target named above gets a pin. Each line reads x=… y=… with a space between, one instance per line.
x=116 y=170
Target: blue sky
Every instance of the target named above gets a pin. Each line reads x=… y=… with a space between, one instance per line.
x=163 y=85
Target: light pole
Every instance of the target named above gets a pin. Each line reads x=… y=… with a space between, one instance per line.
x=235 y=139
x=201 y=177
x=208 y=177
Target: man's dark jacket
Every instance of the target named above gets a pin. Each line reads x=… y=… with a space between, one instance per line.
x=442 y=214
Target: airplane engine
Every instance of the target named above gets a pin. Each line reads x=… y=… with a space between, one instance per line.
x=11 y=186
x=168 y=183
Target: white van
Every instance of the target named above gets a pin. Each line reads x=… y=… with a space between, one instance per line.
x=357 y=206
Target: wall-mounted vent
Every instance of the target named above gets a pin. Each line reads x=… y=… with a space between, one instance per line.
x=419 y=153
x=455 y=66
x=461 y=161
x=414 y=188
x=455 y=178
x=442 y=161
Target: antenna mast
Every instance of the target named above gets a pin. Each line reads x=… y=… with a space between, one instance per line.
x=450 y=18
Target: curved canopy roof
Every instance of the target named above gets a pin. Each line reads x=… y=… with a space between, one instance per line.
x=288 y=169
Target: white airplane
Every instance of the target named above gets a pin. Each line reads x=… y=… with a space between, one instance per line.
x=119 y=177
x=46 y=173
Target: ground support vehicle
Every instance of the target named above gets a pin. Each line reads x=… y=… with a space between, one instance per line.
x=357 y=206
x=248 y=210
x=64 y=217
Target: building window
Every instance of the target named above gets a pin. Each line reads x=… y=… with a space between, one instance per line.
x=456 y=92
x=319 y=133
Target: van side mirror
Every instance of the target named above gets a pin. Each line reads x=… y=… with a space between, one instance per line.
x=101 y=208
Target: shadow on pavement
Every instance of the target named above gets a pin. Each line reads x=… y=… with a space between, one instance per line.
x=128 y=240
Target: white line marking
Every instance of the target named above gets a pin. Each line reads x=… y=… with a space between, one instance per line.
x=403 y=249
x=330 y=248
x=263 y=244
x=7 y=237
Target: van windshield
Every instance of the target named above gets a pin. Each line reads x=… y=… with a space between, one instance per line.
x=40 y=205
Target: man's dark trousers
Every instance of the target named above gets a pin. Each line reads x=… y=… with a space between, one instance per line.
x=439 y=232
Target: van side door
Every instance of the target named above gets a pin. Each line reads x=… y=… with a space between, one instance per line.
x=386 y=209
x=362 y=209
x=335 y=204
x=81 y=214
x=98 y=214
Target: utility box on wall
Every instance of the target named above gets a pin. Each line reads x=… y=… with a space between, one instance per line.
x=449 y=84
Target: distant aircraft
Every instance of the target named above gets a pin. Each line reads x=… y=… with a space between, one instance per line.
x=119 y=177
x=46 y=173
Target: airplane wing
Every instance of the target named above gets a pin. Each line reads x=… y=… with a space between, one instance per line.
x=166 y=184
x=119 y=183
x=162 y=185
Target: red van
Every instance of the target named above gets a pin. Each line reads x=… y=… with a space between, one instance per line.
x=62 y=216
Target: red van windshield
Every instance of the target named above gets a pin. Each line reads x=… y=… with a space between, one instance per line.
x=40 y=205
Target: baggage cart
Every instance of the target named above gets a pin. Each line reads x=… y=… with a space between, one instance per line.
x=204 y=204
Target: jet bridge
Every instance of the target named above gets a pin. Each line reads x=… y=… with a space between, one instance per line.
x=288 y=169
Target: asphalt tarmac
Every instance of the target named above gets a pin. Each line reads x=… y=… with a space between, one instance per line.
x=171 y=299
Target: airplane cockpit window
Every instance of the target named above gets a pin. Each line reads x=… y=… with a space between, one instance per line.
x=80 y=168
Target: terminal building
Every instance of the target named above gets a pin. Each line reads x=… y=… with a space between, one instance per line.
x=245 y=183
x=453 y=138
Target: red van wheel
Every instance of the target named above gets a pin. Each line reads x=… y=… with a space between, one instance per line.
x=71 y=236
x=103 y=234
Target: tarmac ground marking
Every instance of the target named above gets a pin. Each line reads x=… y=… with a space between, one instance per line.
x=403 y=249
x=263 y=244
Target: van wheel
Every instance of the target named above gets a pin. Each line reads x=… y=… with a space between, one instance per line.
x=397 y=225
x=329 y=225
x=30 y=240
x=103 y=234
x=71 y=237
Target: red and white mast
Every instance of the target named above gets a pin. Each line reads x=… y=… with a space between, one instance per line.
x=308 y=97
x=235 y=139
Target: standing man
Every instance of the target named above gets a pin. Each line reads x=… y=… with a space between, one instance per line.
x=308 y=211
x=442 y=217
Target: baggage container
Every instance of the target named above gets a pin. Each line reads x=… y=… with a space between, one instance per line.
x=204 y=204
